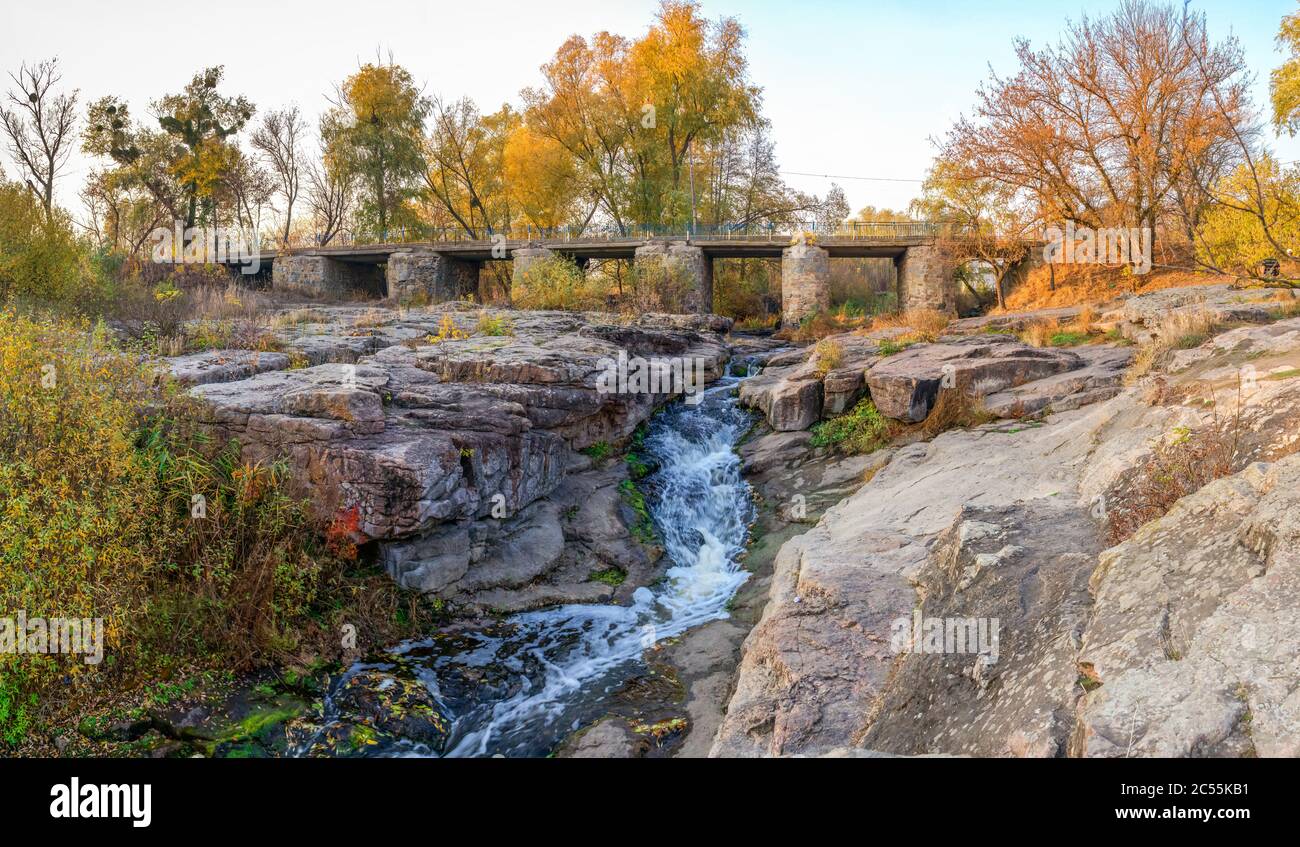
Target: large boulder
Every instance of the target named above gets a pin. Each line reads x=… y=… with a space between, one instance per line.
x=1193 y=648
x=794 y=391
x=904 y=386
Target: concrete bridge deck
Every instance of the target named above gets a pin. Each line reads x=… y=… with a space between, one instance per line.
x=740 y=247
x=448 y=268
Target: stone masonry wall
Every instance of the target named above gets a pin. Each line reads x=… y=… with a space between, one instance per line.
x=680 y=272
x=925 y=280
x=321 y=276
x=805 y=282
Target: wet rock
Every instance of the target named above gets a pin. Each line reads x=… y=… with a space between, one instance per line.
x=609 y=739
x=394 y=704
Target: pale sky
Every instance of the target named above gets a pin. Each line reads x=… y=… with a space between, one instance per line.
x=853 y=89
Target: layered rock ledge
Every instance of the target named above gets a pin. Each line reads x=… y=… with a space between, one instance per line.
x=451 y=436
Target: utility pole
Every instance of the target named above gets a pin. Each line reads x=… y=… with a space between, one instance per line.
x=690 y=163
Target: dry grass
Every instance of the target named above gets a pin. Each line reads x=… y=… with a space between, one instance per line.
x=1181 y=330
x=924 y=324
x=816 y=327
x=1179 y=465
x=1075 y=284
x=371 y=318
x=828 y=354
x=954 y=409
x=1039 y=333
x=295 y=317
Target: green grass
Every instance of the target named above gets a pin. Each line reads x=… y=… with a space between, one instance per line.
x=644 y=529
x=1069 y=339
x=609 y=576
x=861 y=430
x=889 y=347
x=598 y=451
x=636 y=467
x=1191 y=339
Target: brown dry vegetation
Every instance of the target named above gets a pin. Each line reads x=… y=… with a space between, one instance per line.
x=1178 y=466
x=1070 y=285
x=923 y=324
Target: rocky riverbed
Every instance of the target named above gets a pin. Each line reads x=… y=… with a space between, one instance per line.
x=1119 y=627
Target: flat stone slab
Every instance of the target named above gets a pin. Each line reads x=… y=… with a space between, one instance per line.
x=905 y=386
x=223 y=365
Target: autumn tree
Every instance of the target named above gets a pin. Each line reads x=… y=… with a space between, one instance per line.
x=202 y=124
x=542 y=179
x=135 y=189
x=39 y=122
x=1284 y=83
x=465 y=165
x=985 y=221
x=375 y=132
x=279 y=142
x=635 y=114
x=1104 y=127
x=1255 y=217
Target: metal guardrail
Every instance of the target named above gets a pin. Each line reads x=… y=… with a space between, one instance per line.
x=849 y=230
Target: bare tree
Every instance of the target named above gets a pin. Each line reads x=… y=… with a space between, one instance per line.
x=40 y=124
x=278 y=139
x=329 y=196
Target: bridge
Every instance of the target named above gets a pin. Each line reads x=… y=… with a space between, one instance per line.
x=444 y=265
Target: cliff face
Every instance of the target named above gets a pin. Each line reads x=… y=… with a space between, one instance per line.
x=459 y=450
x=970 y=597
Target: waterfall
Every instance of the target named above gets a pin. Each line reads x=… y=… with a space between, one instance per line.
x=540 y=674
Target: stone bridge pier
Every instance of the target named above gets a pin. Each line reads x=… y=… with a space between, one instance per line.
x=681 y=272
x=431 y=277
x=925 y=280
x=322 y=276
x=522 y=260
x=805 y=282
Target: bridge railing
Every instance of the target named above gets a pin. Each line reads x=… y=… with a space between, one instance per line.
x=844 y=230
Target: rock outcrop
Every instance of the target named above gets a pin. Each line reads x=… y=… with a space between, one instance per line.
x=450 y=445
x=905 y=386
x=1179 y=640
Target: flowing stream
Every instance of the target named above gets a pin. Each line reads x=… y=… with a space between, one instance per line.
x=521 y=687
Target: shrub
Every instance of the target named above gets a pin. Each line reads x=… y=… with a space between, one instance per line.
x=555 y=282
x=925 y=324
x=861 y=430
x=1178 y=330
x=102 y=463
x=41 y=260
x=1179 y=465
x=493 y=325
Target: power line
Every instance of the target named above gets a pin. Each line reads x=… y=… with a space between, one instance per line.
x=844 y=176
